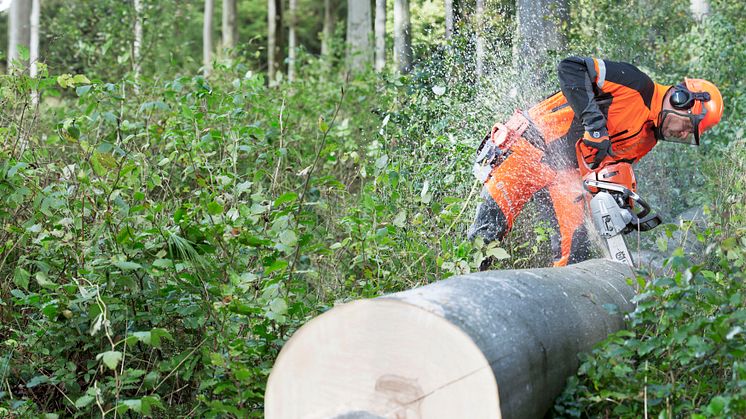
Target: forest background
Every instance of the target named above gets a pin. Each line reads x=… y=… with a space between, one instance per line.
x=184 y=184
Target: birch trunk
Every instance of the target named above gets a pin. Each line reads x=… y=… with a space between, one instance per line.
x=207 y=38
x=380 y=29
x=34 y=37
x=274 y=40
x=402 y=36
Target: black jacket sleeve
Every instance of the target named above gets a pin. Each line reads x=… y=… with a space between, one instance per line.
x=578 y=79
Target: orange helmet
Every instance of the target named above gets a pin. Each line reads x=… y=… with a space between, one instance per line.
x=697 y=100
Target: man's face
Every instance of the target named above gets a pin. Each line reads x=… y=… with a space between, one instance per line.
x=677 y=126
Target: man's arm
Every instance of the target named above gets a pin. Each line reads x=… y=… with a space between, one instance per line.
x=580 y=80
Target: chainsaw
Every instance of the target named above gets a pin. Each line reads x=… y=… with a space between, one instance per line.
x=614 y=208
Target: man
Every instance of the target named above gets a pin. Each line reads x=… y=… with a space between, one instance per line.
x=606 y=113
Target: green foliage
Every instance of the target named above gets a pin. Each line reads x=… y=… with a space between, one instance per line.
x=684 y=353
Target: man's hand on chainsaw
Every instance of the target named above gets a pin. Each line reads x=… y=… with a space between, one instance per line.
x=601 y=142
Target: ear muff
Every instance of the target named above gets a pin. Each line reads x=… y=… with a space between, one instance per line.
x=683 y=99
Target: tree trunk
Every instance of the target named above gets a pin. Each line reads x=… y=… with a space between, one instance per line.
x=19 y=32
x=479 y=27
x=359 y=52
x=380 y=29
x=292 y=41
x=137 y=43
x=489 y=344
x=207 y=38
x=449 y=18
x=34 y=37
x=540 y=28
x=402 y=36
x=328 y=29
x=230 y=29
x=274 y=40
x=700 y=9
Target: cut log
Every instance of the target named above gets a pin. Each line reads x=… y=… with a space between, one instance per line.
x=484 y=345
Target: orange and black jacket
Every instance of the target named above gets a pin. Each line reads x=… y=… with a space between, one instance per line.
x=598 y=95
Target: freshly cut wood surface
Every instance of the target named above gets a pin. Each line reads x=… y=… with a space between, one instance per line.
x=392 y=360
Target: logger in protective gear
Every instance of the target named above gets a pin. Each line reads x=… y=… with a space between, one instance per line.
x=606 y=113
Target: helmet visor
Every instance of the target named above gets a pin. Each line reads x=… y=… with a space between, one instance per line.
x=680 y=126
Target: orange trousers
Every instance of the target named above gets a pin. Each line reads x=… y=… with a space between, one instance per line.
x=559 y=193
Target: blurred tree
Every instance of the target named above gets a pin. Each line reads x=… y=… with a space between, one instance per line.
x=292 y=40
x=207 y=37
x=137 y=41
x=541 y=30
x=19 y=33
x=358 y=34
x=449 y=18
x=479 y=24
x=230 y=30
x=380 y=28
x=274 y=40
x=34 y=38
x=700 y=9
x=328 y=28
x=402 y=36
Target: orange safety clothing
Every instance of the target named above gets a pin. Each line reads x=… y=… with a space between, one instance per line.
x=605 y=100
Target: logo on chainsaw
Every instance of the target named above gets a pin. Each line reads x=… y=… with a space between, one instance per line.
x=620 y=256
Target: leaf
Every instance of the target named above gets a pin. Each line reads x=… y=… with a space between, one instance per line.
x=401 y=219
x=288 y=238
x=425 y=197
x=37 y=380
x=285 y=198
x=84 y=401
x=81 y=79
x=110 y=358
x=213 y=208
x=83 y=90
x=439 y=90
x=382 y=161
x=127 y=265
x=498 y=253
x=43 y=280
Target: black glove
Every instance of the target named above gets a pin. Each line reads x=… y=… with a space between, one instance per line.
x=601 y=143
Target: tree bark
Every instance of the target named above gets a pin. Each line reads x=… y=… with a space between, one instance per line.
x=479 y=25
x=137 y=42
x=449 y=18
x=19 y=32
x=328 y=29
x=380 y=29
x=230 y=28
x=207 y=38
x=274 y=40
x=292 y=41
x=359 y=51
x=402 y=36
x=482 y=345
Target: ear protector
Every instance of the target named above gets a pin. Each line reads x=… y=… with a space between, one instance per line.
x=683 y=99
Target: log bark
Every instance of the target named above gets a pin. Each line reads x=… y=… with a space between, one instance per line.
x=484 y=345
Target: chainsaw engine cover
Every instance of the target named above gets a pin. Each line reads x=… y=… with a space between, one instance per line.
x=610 y=220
